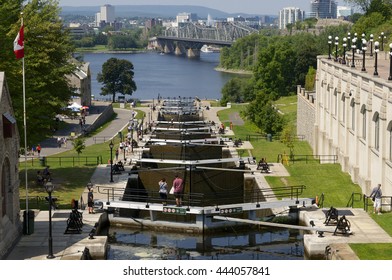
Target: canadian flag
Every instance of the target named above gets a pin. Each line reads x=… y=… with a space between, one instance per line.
x=19 y=44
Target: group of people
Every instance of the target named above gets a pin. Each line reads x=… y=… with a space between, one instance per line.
x=177 y=190
x=44 y=176
x=61 y=141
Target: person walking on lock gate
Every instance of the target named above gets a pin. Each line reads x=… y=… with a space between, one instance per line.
x=90 y=201
x=178 y=185
x=163 y=190
x=376 y=195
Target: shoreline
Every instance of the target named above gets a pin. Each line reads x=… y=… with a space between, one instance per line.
x=233 y=71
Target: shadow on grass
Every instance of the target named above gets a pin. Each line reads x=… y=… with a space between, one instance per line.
x=69 y=183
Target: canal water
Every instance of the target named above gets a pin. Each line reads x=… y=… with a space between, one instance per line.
x=263 y=244
x=167 y=75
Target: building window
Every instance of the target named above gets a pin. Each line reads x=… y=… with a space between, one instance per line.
x=363 y=111
x=376 y=120
x=352 y=114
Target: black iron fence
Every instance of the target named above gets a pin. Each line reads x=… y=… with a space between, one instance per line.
x=64 y=161
x=269 y=137
x=285 y=159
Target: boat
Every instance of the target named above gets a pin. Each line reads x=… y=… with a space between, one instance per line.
x=209 y=49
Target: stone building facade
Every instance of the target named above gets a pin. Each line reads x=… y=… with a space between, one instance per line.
x=80 y=79
x=306 y=114
x=353 y=120
x=9 y=172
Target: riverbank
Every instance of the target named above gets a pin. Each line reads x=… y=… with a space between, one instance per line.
x=234 y=71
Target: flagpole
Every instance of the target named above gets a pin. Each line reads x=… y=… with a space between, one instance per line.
x=25 y=143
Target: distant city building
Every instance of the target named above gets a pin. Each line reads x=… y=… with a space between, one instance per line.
x=344 y=11
x=290 y=15
x=186 y=17
x=108 y=13
x=323 y=9
x=106 y=16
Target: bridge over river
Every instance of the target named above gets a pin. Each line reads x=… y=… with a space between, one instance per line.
x=188 y=38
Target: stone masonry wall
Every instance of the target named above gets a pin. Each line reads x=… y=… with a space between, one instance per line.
x=306 y=115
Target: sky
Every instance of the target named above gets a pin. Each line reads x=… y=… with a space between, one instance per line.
x=229 y=6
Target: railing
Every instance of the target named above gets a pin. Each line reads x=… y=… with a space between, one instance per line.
x=199 y=199
x=282 y=158
x=355 y=197
x=258 y=137
x=36 y=202
x=386 y=202
x=65 y=161
x=320 y=202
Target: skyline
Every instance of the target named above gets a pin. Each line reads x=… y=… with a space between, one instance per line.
x=229 y=6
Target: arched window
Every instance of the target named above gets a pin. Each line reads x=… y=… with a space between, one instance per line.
x=363 y=112
x=376 y=119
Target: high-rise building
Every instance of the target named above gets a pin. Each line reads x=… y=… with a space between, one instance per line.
x=186 y=17
x=290 y=15
x=323 y=9
x=107 y=13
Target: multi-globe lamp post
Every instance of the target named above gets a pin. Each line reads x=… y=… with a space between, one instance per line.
x=49 y=189
x=336 y=47
x=382 y=37
x=371 y=44
x=344 y=50
x=364 y=48
x=329 y=46
x=376 y=50
x=353 y=47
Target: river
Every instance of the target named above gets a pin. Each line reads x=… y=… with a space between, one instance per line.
x=167 y=75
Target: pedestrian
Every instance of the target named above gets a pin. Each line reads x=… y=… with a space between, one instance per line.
x=90 y=201
x=163 y=190
x=376 y=195
x=59 y=141
x=178 y=186
x=39 y=149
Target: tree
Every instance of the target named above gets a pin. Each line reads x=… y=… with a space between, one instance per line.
x=48 y=51
x=79 y=145
x=117 y=77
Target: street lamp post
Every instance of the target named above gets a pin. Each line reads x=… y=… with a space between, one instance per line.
x=390 y=62
x=376 y=49
x=329 y=46
x=344 y=50
x=49 y=189
x=353 y=47
x=111 y=145
x=336 y=47
x=348 y=40
x=371 y=44
x=382 y=37
x=364 y=48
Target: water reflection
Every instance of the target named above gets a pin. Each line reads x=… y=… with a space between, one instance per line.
x=251 y=245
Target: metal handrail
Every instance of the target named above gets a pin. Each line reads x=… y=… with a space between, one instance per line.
x=353 y=199
x=199 y=199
